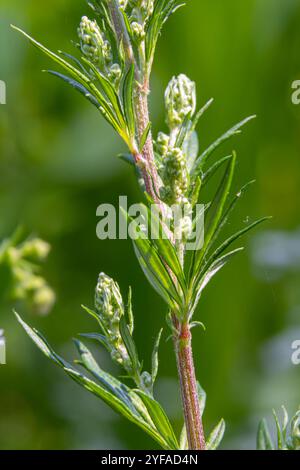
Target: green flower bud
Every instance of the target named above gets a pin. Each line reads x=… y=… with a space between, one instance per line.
x=35 y=249
x=180 y=100
x=175 y=177
x=115 y=73
x=138 y=31
x=162 y=143
x=93 y=43
x=110 y=307
x=183 y=228
x=43 y=300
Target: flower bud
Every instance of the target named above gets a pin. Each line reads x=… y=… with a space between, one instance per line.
x=175 y=177
x=138 y=31
x=35 y=249
x=180 y=100
x=110 y=307
x=115 y=73
x=43 y=300
x=93 y=43
x=162 y=143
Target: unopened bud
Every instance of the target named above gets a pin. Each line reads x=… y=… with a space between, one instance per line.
x=180 y=100
x=35 y=249
x=92 y=42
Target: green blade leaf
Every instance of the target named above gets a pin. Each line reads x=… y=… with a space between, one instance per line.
x=213 y=169
x=73 y=83
x=200 y=162
x=264 y=441
x=128 y=90
x=155 y=357
x=207 y=276
x=99 y=390
x=214 y=215
x=154 y=269
x=216 y=436
x=145 y=137
x=130 y=345
x=159 y=419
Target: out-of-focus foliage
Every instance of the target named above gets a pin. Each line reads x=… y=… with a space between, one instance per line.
x=53 y=176
x=20 y=278
x=287 y=433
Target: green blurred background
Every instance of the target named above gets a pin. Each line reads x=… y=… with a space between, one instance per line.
x=58 y=163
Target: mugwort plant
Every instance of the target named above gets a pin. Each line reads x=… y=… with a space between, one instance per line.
x=112 y=69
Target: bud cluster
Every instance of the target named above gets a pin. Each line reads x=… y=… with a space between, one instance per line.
x=110 y=307
x=141 y=10
x=175 y=178
x=97 y=49
x=21 y=262
x=180 y=100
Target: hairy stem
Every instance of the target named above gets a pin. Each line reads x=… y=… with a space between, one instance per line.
x=188 y=386
x=145 y=161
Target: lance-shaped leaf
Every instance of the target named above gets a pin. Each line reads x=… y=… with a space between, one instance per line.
x=154 y=268
x=159 y=418
x=216 y=436
x=235 y=130
x=108 y=388
x=207 y=276
x=214 y=215
x=110 y=110
x=155 y=357
x=264 y=440
x=130 y=345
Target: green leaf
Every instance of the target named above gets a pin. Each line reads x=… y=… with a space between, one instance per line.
x=207 y=276
x=128 y=106
x=108 y=381
x=135 y=413
x=155 y=357
x=165 y=248
x=130 y=312
x=144 y=137
x=78 y=86
x=226 y=244
x=130 y=345
x=200 y=162
x=159 y=419
x=154 y=269
x=216 y=436
x=191 y=148
x=202 y=398
x=264 y=441
x=280 y=444
x=213 y=169
x=183 y=442
x=214 y=214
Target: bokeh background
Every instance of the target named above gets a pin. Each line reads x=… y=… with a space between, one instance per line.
x=58 y=163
